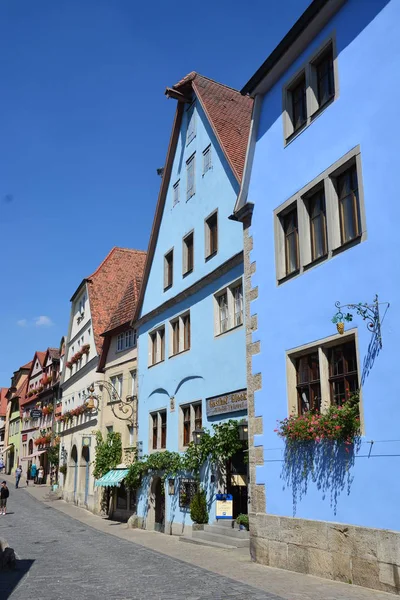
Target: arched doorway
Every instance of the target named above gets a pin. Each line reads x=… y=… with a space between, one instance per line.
x=159 y=504
x=86 y=458
x=74 y=458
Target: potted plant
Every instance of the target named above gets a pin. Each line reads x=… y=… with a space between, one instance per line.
x=63 y=469
x=198 y=509
x=243 y=521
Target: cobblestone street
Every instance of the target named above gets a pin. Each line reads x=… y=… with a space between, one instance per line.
x=62 y=557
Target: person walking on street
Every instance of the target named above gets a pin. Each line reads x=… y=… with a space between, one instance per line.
x=2 y=465
x=18 y=473
x=33 y=472
x=40 y=475
x=4 y=493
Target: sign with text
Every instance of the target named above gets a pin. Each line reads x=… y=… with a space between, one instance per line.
x=232 y=402
x=223 y=506
x=36 y=413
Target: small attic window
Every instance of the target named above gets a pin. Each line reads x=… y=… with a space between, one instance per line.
x=191 y=125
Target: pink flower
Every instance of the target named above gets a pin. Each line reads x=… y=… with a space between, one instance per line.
x=337 y=427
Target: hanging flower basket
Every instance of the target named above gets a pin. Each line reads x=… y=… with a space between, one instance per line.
x=86 y=348
x=69 y=364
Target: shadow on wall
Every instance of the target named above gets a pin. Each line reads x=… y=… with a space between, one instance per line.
x=326 y=464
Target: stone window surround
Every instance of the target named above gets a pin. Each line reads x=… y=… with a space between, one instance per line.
x=157 y=412
x=167 y=267
x=313 y=109
x=182 y=348
x=192 y=405
x=334 y=243
x=322 y=346
x=160 y=340
x=207 y=254
x=229 y=290
x=185 y=270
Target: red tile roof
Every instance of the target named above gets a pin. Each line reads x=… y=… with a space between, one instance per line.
x=41 y=357
x=3 y=402
x=27 y=366
x=228 y=112
x=111 y=290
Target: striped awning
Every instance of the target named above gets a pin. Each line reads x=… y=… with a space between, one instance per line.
x=112 y=478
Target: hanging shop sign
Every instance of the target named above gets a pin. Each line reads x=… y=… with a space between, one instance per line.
x=36 y=413
x=86 y=441
x=232 y=402
x=224 y=506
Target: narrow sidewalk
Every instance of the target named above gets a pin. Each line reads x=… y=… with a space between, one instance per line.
x=235 y=564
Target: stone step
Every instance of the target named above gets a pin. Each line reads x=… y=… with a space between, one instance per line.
x=190 y=540
x=220 y=539
x=228 y=532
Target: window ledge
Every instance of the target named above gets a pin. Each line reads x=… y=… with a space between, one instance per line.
x=316 y=261
x=321 y=108
x=156 y=363
x=191 y=196
x=168 y=288
x=187 y=273
x=179 y=353
x=290 y=276
x=210 y=256
x=354 y=242
x=218 y=335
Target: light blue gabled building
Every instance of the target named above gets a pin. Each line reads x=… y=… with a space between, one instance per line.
x=190 y=319
x=321 y=175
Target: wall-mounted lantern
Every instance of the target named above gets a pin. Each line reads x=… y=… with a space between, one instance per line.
x=197 y=435
x=243 y=431
x=171 y=487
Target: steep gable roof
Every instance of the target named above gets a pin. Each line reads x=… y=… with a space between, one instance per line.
x=108 y=286
x=3 y=402
x=229 y=114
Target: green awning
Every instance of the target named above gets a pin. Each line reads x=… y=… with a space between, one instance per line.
x=112 y=478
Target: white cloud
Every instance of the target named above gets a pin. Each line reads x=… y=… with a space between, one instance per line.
x=43 y=321
x=22 y=323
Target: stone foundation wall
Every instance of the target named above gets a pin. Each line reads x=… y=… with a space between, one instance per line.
x=358 y=555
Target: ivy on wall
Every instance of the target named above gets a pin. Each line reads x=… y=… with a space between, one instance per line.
x=108 y=453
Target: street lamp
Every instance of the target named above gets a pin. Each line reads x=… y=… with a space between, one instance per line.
x=197 y=435
x=243 y=429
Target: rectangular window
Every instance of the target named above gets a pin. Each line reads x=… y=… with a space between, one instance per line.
x=223 y=312
x=154 y=347
x=176 y=193
x=188 y=253
x=155 y=430
x=343 y=376
x=133 y=383
x=191 y=420
x=207 y=159
x=198 y=423
x=119 y=385
x=168 y=269
x=190 y=177
x=191 y=126
x=186 y=331
x=163 y=419
x=212 y=235
x=298 y=101
x=308 y=383
x=347 y=189
x=289 y=221
x=161 y=334
x=175 y=336
x=238 y=297
x=186 y=426
x=317 y=214
x=324 y=76
x=229 y=308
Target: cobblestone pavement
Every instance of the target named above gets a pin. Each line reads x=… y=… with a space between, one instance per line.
x=71 y=554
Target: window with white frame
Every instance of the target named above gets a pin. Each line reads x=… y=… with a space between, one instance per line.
x=180 y=334
x=322 y=374
x=191 y=125
x=207 y=159
x=158 y=425
x=126 y=340
x=325 y=217
x=188 y=253
x=116 y=381
x=190 y=177
x=157 y=346
x=229 y=308
x=133 y=375
x=190 y=420
x=176 y=193
x=311 y=89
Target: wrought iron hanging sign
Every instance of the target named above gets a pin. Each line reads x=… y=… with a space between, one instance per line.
x=368 y=312
x=121 y=409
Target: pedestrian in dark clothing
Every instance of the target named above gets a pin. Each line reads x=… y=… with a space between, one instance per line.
x=4 y=493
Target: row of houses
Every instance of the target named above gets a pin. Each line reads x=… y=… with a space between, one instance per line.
x=269 y=289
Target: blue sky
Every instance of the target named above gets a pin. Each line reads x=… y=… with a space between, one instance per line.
x=84 y=125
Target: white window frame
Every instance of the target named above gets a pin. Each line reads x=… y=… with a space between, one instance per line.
x=117 y=381
x=181 y=341
x=157 y=413
x=229 y=291
x=127 y=339
x=207 y=159
x=133 y=386
x=308 y=69
x=322 y=347
x=159 y=340
x=192 y=406
x=300 y=199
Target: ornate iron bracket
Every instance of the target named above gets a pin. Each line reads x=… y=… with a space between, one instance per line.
x=368 y=312
x=125 y=407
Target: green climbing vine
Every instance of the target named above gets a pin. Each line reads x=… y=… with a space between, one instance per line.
x=216 y=447
x=108 y=453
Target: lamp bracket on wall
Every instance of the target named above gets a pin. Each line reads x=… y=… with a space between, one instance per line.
x=368 y=312
x=121 y=409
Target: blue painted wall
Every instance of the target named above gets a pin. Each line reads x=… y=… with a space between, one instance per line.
x=300 y=311
x=218 y=363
